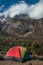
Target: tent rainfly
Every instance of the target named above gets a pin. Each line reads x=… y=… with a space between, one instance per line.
x=17 y=53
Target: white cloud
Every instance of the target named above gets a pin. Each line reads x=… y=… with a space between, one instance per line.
x=34 y=11
x=37 y=11
x=20 y=8
x=1 y=7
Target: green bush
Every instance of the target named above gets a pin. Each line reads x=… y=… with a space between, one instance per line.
x=36 y=48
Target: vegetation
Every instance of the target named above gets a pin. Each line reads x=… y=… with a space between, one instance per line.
x=33 y=48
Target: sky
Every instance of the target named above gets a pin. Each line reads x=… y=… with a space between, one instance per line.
x=34 y=8
x=7 y=3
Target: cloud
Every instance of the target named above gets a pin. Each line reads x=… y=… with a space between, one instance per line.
x=34 y=11
x=15 y=9
x=1 y=7
x=37 y=11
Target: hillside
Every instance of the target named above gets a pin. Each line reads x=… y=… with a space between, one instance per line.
x=23 y=31
x=21 y=26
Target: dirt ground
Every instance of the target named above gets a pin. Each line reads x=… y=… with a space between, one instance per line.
x=11 y=62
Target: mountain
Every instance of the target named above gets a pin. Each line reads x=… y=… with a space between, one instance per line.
x=21 y=26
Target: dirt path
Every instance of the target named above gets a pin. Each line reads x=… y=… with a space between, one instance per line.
x=11 y=62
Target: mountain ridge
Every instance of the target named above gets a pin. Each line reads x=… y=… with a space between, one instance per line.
x=20 y=25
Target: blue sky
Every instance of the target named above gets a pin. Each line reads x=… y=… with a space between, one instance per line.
x=8 y=3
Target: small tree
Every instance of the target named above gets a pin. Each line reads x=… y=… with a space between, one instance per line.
x=35 y=47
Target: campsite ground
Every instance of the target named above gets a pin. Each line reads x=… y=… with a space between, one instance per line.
x=10 y=62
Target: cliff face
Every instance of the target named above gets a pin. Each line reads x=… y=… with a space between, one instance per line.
x=21 y=26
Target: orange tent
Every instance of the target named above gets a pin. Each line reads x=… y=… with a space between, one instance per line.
x=17 y=53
